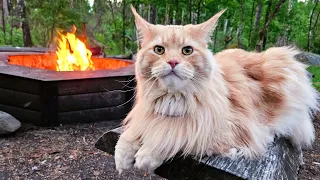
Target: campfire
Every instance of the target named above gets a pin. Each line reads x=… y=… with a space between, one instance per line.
x=71 y=55
x=68 y=85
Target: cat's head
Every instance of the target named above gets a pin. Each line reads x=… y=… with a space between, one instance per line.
x=174 y=55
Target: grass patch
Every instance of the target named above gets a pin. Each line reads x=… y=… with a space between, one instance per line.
x=315 y=70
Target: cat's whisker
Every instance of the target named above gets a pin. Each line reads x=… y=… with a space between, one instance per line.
x=127 y=82
x=128 y=90
x=155 y=80
x=157 y=71
x=152 y=77
x=134 y=95
x=150 y=88
x=147 y=74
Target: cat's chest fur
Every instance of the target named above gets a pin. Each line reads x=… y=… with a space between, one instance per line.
x=171 y=104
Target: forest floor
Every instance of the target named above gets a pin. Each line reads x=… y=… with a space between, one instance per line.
x=68 y=152
x=311 y=168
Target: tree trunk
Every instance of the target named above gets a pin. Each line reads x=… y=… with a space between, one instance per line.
x=199 y=11
x=178 y=13
x=310 y=24
x=141 y=10
x=167 y=15
x=171 y=15
x=314 y=26
x=25 y=26
x=316 y=22
x=3 y=21
x=263 y=31
x=5 y=8
x=225 y=26
x=98 y=13
x=174 y=14
x=154 y=14
x=190 y=11
x=257 y=23
x=288 y=28
x=240 y=25
x=71 y=4
x=2 y=13
x=149 y=13
x=9 y=10
x=251 y=23
x=264 y=40
x=51 y=37
x=182 y=17
x=124 y=25
x=113 y=20
x=11 y=29
x=83 y=36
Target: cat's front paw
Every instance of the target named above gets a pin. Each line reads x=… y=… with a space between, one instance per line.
x=147 y=163
x=124 y=159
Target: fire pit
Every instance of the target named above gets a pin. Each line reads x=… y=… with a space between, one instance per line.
x=46 y=97
x=66 y=86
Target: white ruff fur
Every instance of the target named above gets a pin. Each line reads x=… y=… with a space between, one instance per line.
x=198 y=118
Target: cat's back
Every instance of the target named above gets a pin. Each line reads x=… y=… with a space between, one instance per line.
x=274 y=64
x=271 y=81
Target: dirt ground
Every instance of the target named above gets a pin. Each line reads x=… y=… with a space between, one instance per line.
x=311 y=167
x=68 y=152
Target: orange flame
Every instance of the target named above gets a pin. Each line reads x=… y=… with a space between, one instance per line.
x=73 y=54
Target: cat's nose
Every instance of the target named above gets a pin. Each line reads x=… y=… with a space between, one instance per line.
x=173 y=63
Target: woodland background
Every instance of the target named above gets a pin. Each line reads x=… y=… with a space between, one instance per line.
x=247 y=24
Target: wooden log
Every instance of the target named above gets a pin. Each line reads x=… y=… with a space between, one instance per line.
x=281 y=161
x=49 y=102
x=24 y=49
x=92 y=115
x=23 y=115
x=20 y=99
x=19 y=84
x=80 y=86
x=91 y=100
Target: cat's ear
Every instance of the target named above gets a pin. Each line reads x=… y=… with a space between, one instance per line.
x=143 y=27
x=209 y=26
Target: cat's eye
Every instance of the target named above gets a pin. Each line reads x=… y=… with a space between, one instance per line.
x=159 y=50
x=187 y=50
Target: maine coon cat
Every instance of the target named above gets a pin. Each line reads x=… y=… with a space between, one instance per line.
x=232 y=103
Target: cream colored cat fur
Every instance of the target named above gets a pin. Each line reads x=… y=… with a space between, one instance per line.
x=232 y=103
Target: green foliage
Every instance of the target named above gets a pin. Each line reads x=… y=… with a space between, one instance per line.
x=112 y=24
x=315 y=70
x=12 y=37
x=46 y=16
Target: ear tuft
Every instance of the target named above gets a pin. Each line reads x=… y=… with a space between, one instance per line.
x=142 y=25
x=211 y=24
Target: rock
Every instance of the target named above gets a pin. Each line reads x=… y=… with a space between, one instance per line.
x=308 y=58
x=8 y=123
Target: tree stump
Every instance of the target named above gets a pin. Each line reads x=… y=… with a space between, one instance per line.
x=282 y=161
